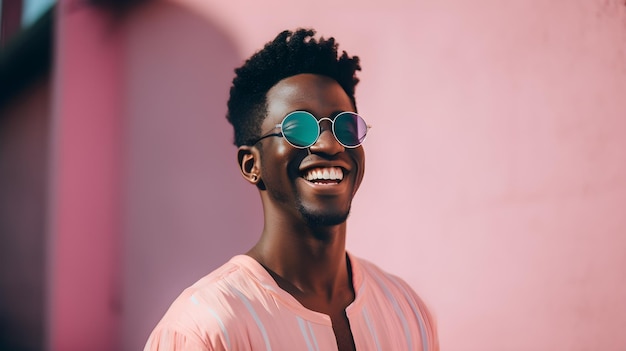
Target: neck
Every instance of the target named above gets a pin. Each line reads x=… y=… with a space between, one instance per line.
x=303 y=259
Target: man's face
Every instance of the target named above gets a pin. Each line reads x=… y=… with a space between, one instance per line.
x=292 y=176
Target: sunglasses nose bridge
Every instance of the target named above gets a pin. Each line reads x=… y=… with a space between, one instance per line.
x=326 y=127
x=322 y=126
x=326 y=141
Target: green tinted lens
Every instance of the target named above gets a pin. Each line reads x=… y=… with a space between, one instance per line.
x=300 y=129
x=350 y=129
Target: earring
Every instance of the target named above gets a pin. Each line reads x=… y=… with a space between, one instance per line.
x=254 y=177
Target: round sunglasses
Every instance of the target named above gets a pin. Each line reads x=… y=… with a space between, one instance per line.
x=301 y=129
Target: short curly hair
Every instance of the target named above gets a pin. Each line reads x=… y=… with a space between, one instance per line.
x=289 y=54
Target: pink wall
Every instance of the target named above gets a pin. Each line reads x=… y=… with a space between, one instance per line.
x=186 y=204
x=86 y=167
x=496 y=179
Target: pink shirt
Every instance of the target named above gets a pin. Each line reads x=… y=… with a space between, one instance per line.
x=239 y=306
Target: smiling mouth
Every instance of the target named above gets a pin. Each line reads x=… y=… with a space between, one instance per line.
x=324 y=175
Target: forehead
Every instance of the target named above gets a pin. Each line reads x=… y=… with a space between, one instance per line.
x=320 y=95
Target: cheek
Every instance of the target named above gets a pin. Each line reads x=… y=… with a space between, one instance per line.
x=283 y=149
x=359 y=159
x=358 y=155
x=283 y=160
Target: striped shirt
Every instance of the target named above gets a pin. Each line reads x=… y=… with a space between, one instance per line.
x=239 y=306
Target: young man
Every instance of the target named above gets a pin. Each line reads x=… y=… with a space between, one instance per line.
x=299 y=140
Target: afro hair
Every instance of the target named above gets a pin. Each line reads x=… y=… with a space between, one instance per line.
x=289 y=54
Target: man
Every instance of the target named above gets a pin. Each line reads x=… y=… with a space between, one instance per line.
x=299 y=139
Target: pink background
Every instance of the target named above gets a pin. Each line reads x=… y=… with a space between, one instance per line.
x=496 y=167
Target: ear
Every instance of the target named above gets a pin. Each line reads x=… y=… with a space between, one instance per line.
x=249 y=163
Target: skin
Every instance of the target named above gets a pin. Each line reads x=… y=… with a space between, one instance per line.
x=303 y=240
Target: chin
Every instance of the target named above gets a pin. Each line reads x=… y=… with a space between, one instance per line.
x=319 y=219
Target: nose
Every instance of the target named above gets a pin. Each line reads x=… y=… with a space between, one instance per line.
x=326 y=143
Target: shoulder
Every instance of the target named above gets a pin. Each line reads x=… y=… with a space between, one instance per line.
x=381 y=285
x=208 y=313
x=375 y=276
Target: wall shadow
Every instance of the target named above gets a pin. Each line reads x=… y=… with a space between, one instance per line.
x=24 y=137
x=187 y=209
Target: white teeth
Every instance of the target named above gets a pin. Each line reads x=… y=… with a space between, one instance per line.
x=328 y=173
